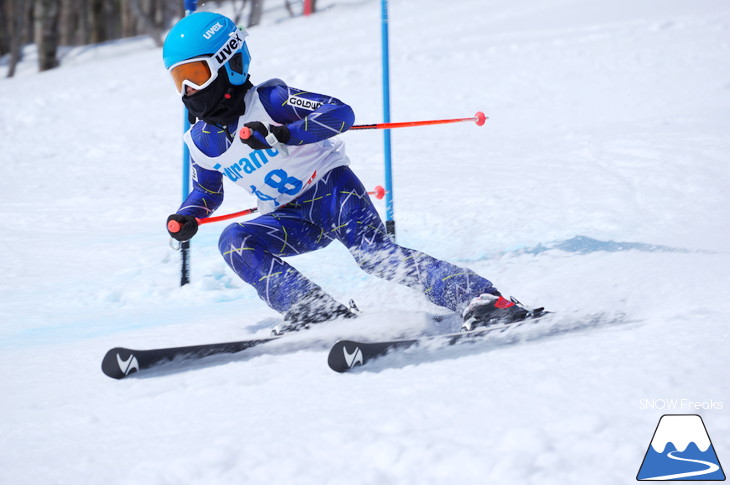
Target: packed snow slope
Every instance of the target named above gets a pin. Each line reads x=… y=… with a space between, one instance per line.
x=598 y=188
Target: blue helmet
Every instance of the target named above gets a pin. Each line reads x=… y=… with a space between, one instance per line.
x=213 y=38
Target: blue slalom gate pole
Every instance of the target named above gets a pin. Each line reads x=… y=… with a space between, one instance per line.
x=190 y=7
x=389 y=211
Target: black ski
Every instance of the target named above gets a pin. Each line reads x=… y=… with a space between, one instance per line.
x=120 y=362
x=346 y=354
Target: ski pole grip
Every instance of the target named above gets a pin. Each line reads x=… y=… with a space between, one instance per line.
x=245 y=133
x=379 y=192
x=174 y=226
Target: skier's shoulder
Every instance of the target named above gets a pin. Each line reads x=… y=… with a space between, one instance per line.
x=273 y=92
x=209 y=139
x=277 y=93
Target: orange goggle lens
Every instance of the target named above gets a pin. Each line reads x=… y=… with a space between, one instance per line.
x=195 y=72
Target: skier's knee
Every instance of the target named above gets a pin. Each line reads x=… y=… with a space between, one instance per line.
x=232 y=237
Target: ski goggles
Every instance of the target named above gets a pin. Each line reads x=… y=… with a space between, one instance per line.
x=200 y=72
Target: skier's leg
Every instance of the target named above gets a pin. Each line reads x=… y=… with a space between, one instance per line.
x=443 y=283
x=253 y=249
x=356 y=223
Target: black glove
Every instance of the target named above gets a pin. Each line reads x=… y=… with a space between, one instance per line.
x=255 y=136
x=182 y=228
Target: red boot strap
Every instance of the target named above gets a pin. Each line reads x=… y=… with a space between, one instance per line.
x=503 y=303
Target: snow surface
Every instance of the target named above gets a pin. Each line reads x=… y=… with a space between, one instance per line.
x=608 y=120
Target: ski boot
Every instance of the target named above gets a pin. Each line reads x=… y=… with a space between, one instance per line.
x=316 y=307
x=490 y=309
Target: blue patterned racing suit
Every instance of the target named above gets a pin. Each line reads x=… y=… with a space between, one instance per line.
x=335 y=207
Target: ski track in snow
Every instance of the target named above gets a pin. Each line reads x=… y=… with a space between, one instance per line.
x=607 y=120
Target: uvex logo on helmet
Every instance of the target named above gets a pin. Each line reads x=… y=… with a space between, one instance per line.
x=209 y=33
x=229 y=48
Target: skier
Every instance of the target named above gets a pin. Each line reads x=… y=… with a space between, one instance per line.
x=289 y=158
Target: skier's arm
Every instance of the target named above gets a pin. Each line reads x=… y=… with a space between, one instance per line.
x=307 y=117
x=203 y=200
x=207 y=193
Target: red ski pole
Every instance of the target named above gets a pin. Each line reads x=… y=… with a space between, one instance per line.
x=174 y=226
x=479 y=118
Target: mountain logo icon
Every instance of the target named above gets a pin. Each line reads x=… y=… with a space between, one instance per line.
x=681 y=450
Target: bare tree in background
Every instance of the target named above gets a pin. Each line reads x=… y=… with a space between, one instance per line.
x=257 y=11
x=45 y=18
x=147 y=19
x=4 y=36
x=238 y=10
x=15 y=15
x=84 y=20
x=53 y=23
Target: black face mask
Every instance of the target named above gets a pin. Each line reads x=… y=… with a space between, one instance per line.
x=213 y=106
